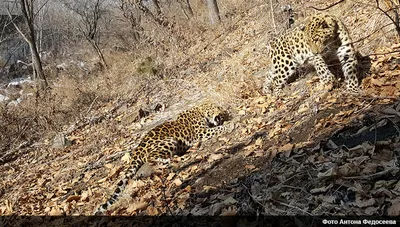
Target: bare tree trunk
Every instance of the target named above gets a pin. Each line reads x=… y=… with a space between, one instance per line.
x=38 y=73
x=213 y=12
x=159 y=18
x=30 y=38
x=99 y=53
x=90 y=13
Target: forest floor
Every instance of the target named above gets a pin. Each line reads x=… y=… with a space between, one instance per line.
x=315 y=151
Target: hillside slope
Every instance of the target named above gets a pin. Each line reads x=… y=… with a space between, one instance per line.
x=310 y=152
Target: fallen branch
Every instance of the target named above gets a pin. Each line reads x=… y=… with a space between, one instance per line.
x=5 y=158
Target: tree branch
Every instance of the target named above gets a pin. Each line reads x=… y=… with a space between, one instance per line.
x=330 y=6
x=16 y=27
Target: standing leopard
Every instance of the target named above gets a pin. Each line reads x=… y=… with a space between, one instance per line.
x=197 y=124
x=322 y=36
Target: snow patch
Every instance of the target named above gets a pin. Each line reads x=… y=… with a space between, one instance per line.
x=3 y=98
x=19 y=81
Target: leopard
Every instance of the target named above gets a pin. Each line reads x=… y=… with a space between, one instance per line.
x=175 y=137
x=323 y=37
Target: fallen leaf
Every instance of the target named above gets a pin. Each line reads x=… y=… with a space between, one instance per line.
x=152 y=210
x=214 y=157
x=137 y=206
x=259 y=153
x=259 y=142
x=55 y=211
x=109 y=166
x=328 y=199
x=47 y=209
x=394 y=209
x=347 y=169
x=303 y=108
x=215 y=209
x=208 y=188
x=8 y=205
x=249 y=150
x=377 y=82
x=230 y=201
x=85 y=196
x=49 y=195
x=177 y=182
x=3 y=210
x=321 y=189
x=170 y=176
x=330 y=172
x=73 y=198
x=197 y=211
x=362 y=203
x=250 y=167
x=286 y=147
x=231 y=211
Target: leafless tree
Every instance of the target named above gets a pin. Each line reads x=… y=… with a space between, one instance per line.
x=4 y=26
x=28 y=32
x=158 y=16
x=132 y=14
x=213 y=11
x=90 y=13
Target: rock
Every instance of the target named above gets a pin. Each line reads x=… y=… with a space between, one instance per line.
x=60 y=141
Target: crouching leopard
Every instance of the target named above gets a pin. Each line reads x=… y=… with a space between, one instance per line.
x=197 y=124
x=321 y=37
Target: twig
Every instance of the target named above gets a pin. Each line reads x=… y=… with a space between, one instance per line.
x=386 y=14
x=394 y=125
x=391 y=52
x=372 y=176
x=91 y=105
x=378 y=97
x=330 y=6
x=367 y=36
x=252 y=197
x=293 y=207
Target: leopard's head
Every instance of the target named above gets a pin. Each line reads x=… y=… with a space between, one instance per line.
x=213 y=114
x=321 y=30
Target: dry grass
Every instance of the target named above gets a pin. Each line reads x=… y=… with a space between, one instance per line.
x=225 y=64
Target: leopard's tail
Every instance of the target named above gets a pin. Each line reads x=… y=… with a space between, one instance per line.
x=118 y=191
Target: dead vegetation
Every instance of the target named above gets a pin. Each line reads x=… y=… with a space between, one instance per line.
x=310 y=153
